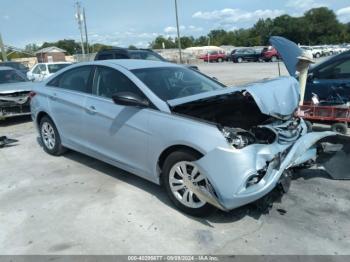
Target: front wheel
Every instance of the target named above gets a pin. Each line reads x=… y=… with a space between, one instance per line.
x=239 y=60
x=50 y=137
x=179 y=170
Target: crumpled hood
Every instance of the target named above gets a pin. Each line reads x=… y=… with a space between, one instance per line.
x=277 y=97
x=16 y=87
x=289 y=52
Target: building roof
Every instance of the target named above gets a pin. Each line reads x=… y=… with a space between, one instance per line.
x=51 y=49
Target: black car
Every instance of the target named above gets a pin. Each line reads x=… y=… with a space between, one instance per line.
x=330 y=80
x=16 y=65
x=124 y=53
x=246 y=54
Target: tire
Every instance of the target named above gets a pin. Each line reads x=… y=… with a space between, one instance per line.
x=182 y=158
x=50 y=137
x=273 y=59
x=239 y=60
x=341 y=128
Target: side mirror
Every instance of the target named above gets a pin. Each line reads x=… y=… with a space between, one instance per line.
x=129 y=99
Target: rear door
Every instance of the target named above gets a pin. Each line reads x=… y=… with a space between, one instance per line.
x=67 y=96
x=331 y=82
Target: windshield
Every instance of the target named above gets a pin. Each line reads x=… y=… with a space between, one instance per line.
x=10 y=76
x=175 y=82
x=53 y=68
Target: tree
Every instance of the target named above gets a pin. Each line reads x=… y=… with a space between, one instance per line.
x=158 y=42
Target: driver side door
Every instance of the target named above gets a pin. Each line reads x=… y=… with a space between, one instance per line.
x=116 y=133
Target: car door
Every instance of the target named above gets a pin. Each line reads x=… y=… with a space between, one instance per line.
x=331 y=82
x=67 y=95
x=115 y=132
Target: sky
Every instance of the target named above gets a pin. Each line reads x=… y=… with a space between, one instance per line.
x=137 y=22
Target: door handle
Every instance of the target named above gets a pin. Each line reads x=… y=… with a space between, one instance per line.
x=53 y=97
x=91 y=109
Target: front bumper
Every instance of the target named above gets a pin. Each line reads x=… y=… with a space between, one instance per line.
x=228 y=170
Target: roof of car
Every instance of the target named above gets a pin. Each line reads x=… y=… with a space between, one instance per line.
x=4 y=68
x=131 y=64
x=54 y=63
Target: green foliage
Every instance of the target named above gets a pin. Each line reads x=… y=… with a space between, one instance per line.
x=316 y=26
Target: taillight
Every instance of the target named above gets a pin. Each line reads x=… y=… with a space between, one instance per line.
x=31 y=94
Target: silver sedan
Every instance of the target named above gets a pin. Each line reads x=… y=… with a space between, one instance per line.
x=210 y=146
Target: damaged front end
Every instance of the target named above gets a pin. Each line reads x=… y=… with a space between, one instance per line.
x=265 y=140
x=14 y=104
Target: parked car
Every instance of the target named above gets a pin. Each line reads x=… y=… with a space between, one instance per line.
x=16 y=65
x=14 y=93
x=270 y=53
x=330 y=80
x=209 y=145
x=42 y=71
x=214 y=56
x=124 y=53
x=245 y=54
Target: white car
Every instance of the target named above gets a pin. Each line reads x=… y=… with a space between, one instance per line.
x=42 y=71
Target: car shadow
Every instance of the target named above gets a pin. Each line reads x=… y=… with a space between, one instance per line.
x=255 y=210
x=15 y=120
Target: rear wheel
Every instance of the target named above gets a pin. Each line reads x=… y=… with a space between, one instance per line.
x=341 y=128
x=220 y=60
x=179 y=170
x=274 y=59
x=239 y=59
x=50 y=137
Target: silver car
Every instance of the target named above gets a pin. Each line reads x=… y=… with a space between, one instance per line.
x=209 y=145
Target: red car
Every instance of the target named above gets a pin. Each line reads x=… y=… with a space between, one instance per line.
x=214 y=56
x=270 y=54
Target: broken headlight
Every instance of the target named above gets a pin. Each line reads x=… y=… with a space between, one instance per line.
x=237 y=137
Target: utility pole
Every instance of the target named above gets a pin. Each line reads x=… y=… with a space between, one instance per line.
x=3 y=51
x=178 y=32
x=86 y=34
x=79 y=18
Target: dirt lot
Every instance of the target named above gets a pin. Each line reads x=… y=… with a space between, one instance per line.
x=77 y=205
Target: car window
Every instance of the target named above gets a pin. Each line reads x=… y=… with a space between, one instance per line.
x=53 y=68
x=36 y=70
x=108 y=81
x=337 y=70
x=42 y=68
x=76 y=79
x=175 y=82
x=10 y=76
x=144 y=55
x=105 y=56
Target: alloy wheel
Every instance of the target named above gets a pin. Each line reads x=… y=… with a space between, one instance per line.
x=181 y=176
x=48 y=135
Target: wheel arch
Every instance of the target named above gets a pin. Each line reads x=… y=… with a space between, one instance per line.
x=166 y=152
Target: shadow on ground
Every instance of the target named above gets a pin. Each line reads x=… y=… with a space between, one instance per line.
x=15 y=120
x=254 y=210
